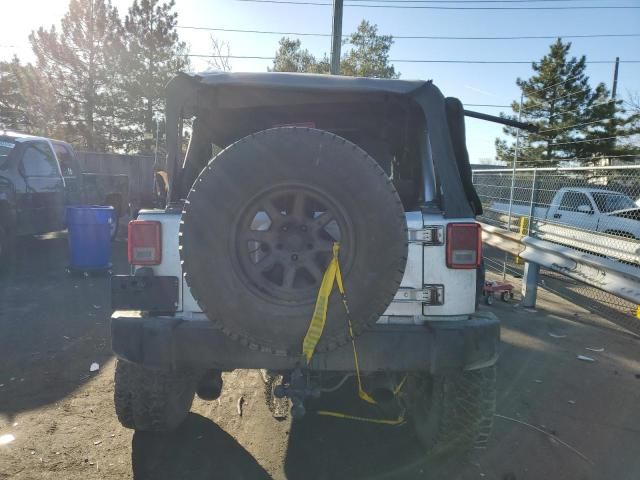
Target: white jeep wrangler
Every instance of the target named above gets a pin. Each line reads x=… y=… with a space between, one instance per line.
x=228 y=275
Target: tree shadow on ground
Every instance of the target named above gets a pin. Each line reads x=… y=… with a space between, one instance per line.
x=198 y=450
x=322 y=447
x=52 y=325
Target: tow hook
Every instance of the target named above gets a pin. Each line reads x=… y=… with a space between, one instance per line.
x=297 y=387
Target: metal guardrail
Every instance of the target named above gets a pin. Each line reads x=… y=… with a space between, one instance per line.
x=609 y=246
x=600 y=271
x=502 y=239
x=527 y=201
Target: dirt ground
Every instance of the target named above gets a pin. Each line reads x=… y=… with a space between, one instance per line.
x=558 y=416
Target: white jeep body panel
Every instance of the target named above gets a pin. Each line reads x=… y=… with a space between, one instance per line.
x=426 y=265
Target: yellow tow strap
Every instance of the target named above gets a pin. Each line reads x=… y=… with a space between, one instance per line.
x=381 y=421
x=319 y=317
x=314 y=332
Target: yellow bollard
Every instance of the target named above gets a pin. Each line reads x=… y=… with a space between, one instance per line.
x=524 y=224
x=638 y=312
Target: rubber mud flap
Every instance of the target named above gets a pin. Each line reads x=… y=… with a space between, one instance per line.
x=258 y=229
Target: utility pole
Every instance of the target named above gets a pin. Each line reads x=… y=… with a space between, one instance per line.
x=515 y=161
x=513 y=181
x=614 y=90
x=615 y=79
x=336 y=39
x=155 y=153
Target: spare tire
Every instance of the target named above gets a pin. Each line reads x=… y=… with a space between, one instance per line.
x=258 y=228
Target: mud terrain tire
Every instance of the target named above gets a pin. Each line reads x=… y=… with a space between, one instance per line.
x=152 y=400
x=258 y=228
x=452 y=414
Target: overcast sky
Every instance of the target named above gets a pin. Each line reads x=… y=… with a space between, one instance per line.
x=472 y=83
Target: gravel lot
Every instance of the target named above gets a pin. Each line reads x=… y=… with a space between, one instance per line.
x=580 y=418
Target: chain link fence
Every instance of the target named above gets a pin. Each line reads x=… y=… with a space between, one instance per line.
x=590 y=209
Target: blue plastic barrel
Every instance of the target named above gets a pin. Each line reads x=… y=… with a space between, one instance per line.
x=89 y=237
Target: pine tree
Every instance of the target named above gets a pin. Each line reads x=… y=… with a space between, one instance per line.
x=153 y=55
x=27 y=101
x=80 y=63
x=12 y=112
x=577 y=123
x=368 y=57
x=291 y=57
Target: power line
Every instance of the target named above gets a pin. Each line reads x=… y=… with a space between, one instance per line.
x=470 y=1
x=416 y=37
x=485 y=105
x=587 y=140
x=520 y=37
x=588 y=107
x=543 y=103
x=497 y=62
x=575 y=92
x=416 y=60
x=575 y=159
x=432 y=7
x=230 y=56
x=265 y=32
x=569 y=127
x=560 y=112
x=559 y=83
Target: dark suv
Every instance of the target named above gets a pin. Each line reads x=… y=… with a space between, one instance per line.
x=32 y=193
x=39 y=176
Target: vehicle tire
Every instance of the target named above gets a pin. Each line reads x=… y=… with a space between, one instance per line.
x=258 y=229
x=115 y=223
x=209 y=386
x=115 y=201
x=278 y=406
x=506 y=296
x=488 y=299
x=152 y=400
x=454 y=413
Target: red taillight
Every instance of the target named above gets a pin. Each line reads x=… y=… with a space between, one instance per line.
x=464 y=245
x=145 y=245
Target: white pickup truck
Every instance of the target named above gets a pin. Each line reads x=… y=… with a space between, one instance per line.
x=593 y=209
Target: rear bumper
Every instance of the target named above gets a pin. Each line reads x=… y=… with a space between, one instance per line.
x=171 y=343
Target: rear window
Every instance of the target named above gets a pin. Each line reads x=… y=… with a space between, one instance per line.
x=6 y=146
x=65 y=158
x=38 y=161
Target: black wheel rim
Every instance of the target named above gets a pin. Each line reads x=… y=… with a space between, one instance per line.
x=284 y=239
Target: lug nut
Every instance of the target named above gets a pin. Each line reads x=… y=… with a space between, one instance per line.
x=294 y=257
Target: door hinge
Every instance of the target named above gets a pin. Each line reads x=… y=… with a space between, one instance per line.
x=429 y=235
x=430 y=295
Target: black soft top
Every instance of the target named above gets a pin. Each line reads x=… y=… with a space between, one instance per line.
x=188 y=94
x=301 y=82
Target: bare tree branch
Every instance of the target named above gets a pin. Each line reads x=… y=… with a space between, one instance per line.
x=222 y=51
